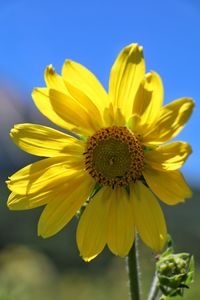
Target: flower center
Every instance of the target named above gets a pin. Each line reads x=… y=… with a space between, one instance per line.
x=114 y=156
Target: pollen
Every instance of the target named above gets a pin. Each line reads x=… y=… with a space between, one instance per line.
x=114 y=156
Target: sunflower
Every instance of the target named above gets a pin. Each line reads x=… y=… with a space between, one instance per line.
x=115 y=163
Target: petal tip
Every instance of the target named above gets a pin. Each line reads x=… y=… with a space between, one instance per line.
x=133 y=49
x=34 y=92
x=42 y=233
x=38 y=90
x=88 y=258
x=189 y=194
x=49 y=70
x=190 y=102
x=14 y=130
x=163 y=241
x=68 y=62
x=137 y=48
x=9 y=205
x=8 y=182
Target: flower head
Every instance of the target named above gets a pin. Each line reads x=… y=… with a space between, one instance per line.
x=118 y=150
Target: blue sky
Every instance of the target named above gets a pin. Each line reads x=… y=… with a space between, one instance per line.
x=36 y=33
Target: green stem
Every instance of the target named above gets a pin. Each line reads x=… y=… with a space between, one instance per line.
x=154 y=291
x=133 y=272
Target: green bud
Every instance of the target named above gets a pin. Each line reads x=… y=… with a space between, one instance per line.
x=174 y=273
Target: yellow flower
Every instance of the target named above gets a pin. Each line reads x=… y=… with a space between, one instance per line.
x=118 y=149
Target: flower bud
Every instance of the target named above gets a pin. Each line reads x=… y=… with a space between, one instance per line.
x=175 y=273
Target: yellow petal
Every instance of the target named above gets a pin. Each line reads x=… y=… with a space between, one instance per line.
x=87 y=103
x=121 y=222
x=72 y=111
x=134 y=124
x=81 y=82
x=108 y=115
x=65 y=205
x=172 y=119
x=44 y=141
x=148 y=101
x=53 y=80
x=92 y=228
x=126 y=75
x=149 y=217
x=170 y=187
x=168 y=157
x=41 y=175
x=23 y=202
x=43 y=103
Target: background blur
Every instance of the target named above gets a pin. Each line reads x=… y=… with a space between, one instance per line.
x=36 y=33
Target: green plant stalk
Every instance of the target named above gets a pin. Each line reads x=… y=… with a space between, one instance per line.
x=133 y=272
x=154 y=291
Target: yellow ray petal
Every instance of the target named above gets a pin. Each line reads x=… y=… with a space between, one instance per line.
x=21 y=202
x=81 y=82
x=42 y=101
x=172 y=119
x=109 y=116
x=65 y=205
x=113 y=118
x=126 y=75
x=87 y=103
x=148 y=101
x=53 y=80
x=149 y=217
x=92 y=227
x=134 y=124
x=121 y=222
x=44 y=141
x=168 y=157
x=170 y=187
x=41 y=175
x=72 y=111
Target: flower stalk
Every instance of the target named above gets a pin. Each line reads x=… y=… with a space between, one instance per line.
x=154 y=291
x=133 y=272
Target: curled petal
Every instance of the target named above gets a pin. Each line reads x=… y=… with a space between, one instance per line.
x=41 y=99
x=42 y=175
x=125 y=77
x=71 y=111
x=168 y=157
x=44 y=141
x=172 y=119
x=23 y=202
x=84 y=86
x=53 y=80
x=148 y=102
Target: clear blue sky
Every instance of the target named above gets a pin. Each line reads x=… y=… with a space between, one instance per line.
x=36 y=33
